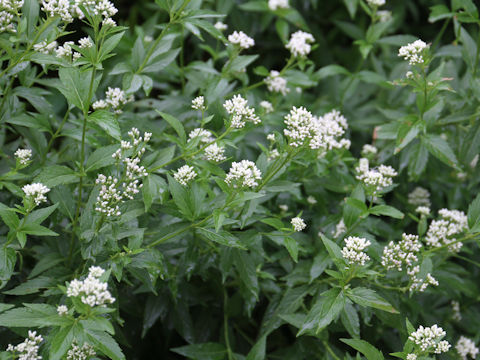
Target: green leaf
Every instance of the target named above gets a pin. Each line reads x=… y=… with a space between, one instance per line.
x=36 y=229
x=369 y=298
x=350 y=320
x=274 y=222
x=292 y=247
x=333 y=249
x=32 y=315
x=175 y=123
x=205 y=351
x=181 y=198
x=107 y=121
x=9 y=217
x=222 y=237
x=387 y=211
x=258 y=350
x=32 y=286
x=474 y=215
x=440 y=149
x=105 y=343
x=326 y=309
x=369 y=351
x=330 y=70
x=108 y=45
x=76 y=86
x=54 y=175
x=247 y=270
x=351 y=6
x=8 y=258
x=60 y=342
x=101 y=158
x=40 y=215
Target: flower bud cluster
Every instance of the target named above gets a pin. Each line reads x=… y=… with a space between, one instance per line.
x=375 y=179
x=466 y=347
x=215 y=153
x=419 y=197
x=298 y=224
x=24 y=156
x=376 y=2
x=420 y=284
x=396 y=255
x=8 y=11
x=443 y=231
x=278 y=4
x=114 y=98
x=340 y=228
x=276 y=83
x=36 y=192
x=369 y=150
x=240 y=111
x=68 y=10
x=353 y=253
x=91 y=291
x=198 y=103
x=299 y=43
x=28 y=349
x=241 y=39
x=185 y=174
x=115 y=190
x=65 y=51
x=243 y=174
x=429 y=339
x=414 y=52
x=267 y=106
x=204 y=135
x=84 y=352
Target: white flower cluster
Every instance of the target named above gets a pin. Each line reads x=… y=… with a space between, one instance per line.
x=28 y=349
x=299 y=43
x=204 y=135
x=8 y=11
x=419 y=197
x=115 y=98
x=198 y=103
x=185 y=174
x=215 y=153
x=411 y=357
x=298 y=224
x=92 y=291
x=36 y=192
x=44 y=47
x=84 y=352
x=278 y=4
x=319 y=132
x=243 y=174
x=65 y=51
x=240 y=111
x=466 y=347
x=23 y=156
x=340 y=228
x=375 y=179
x=276 y=83
x=369 y=150
x=413 y=52
x=395 y=255
x=68 y=10
x=267 y=106
x=384 y=15
x=62 y=310
x=441 y=232
x=311 y=200
x=112 y=190
x=353 y=253
x=85 y=43
x=423 y=210
x=376 y=2
x=430 y=339
x=241 y=39
x=420 y=284
x=456 y=314
x=221 y=26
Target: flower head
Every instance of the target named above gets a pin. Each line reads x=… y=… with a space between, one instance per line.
x=28 y=349
x=91 y=291
x=267 y=106
x=466 y=347
x=276 y=83
x=429 y=339
x=62 y=310
x=198 y=103
x=299 y=44
x=84 y=352
x=23 y=155
x=298 y=224
x=243 y=174
x=185 y=174
x=241 y=39
x=240 y=111
x=419 y=197
x=375 y=179
x=353 y=253
x=376 y=2
x=414 y=52
x=278 y=4
x=215 y=153
x=36 y=192
x=443 y=231
x=220 y=26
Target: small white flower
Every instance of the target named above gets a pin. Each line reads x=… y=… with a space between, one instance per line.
x=396 y=255
x=116 y=98
x=457 y=315
x=62 y=310
x=411 y=357
x=91 y=291
x=85 y=43
x=278 y=4
x=28 y=349
x=215 y=153
x=419 y=197
x=84 y=352
x=243 y=174
x=413 y=52
x=45 y=48
x=36 y=192
x=423 y=210
x=267 y=106
x=204 y=135
x=299 y=44
x=241 y=39
x=65 y=51
x=271 y=137
x=23 y=155
x=273 y=154
x=283 y=207
x=298 y=224
x=466 y=347
x=443 y=231
x=185 y=174
x=340 y=228
x=198 y=103
x=384 y=15
x=60 y=8
x=353 y=253
x=276 y=83
x=409 y=75
x=429 y=339
x=375 y=179
x=221 y=26
x=369 y=150
x=311 y=200
x=376 y=2
x=240 y=111
x=100 y=104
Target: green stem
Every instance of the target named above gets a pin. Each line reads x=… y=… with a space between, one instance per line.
x=477 y=55
x=55 y=135
x=330 y=351
x=225 y=325
x=290 y=155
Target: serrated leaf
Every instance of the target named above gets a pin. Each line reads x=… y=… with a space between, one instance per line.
x=107 y=121
x=222 y=237
x=369 y=298
x=368 y=350
x=386 y=210
x=205 y=351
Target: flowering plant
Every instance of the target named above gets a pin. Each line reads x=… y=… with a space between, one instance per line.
x=239 y=179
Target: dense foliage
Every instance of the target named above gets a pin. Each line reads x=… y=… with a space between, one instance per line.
x=230 y=179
